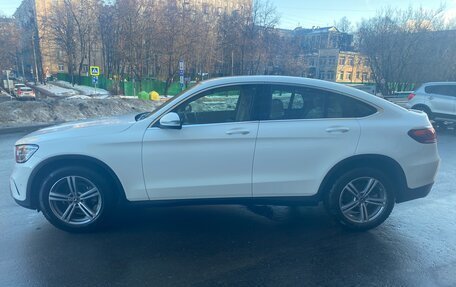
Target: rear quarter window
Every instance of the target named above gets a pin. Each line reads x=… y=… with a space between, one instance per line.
x=340 y=106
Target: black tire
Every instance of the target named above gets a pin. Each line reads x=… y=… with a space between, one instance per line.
x=100 y=205
x=334 y=199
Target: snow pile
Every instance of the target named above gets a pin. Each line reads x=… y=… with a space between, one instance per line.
x=20 y=113
x=57 y=91
x=85 y=90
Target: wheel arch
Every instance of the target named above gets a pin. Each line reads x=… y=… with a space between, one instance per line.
x=381 y=162
x=423 y=107
x=49 y=164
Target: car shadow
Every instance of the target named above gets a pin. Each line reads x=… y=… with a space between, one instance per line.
x=215 y=245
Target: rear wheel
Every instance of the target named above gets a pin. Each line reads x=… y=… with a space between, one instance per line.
x=75 y=199
x=361 y=199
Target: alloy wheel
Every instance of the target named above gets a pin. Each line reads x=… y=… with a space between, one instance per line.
x=75 y=200
x=363 y=200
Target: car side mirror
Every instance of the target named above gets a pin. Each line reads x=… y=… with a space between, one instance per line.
x=170 y=121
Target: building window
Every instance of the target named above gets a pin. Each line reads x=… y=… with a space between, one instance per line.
x=61 y=68
x=322 y=75
x=322 y=61
x=331 y=60
x=357 y=75
x=206 y=9
x=365 y=77
x=85 y=68
x=349 y=76
x=341 y=75
x=342 y=60
x=351 y=61
x=312 y=62
x=330 y=76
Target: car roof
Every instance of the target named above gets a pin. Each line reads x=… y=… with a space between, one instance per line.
x=19 y=85
x=340 y=88
x=438 y=83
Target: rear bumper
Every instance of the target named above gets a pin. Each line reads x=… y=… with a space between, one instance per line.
x=413 y=193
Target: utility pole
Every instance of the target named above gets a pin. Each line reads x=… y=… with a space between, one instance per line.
x=34 y=59
x=232 y=62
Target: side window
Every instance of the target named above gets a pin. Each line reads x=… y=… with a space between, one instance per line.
x=220 y=105
x=446 y=90
x=452 y=90
x=340 y=106
x=289 y=102
x=308 y=103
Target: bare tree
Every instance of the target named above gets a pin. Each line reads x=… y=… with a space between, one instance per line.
x=62 y=29
x=344 y=25
x=9 y=43
x=392 y=42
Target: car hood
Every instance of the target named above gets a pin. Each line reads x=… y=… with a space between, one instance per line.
x=84 y=128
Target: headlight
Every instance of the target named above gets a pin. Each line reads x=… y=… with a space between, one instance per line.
x=24 y=152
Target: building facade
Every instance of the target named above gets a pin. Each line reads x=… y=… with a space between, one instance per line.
x=339 y=66
x=316 y=38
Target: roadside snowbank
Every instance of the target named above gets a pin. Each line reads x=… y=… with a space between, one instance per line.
x=84 y=90
x=57 y=91
x=20 y=113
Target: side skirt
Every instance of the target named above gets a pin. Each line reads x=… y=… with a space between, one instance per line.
x=276 y=201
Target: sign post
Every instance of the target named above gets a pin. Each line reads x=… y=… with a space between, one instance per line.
x=95 y=81
x=94 y=72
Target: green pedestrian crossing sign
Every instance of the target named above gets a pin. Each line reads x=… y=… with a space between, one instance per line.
x=94 y=70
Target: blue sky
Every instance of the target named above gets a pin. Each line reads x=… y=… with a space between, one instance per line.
x=308 y=13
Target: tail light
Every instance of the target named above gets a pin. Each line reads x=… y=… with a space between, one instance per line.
x=19 y=92
x=425 y=136
x=410 y=96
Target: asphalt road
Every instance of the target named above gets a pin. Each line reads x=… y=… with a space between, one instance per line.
x=230 y=246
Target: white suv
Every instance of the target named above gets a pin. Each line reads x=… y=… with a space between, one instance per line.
x=240 y=140
x=438 y=100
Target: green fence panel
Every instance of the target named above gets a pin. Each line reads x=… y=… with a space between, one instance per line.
x=125 y=87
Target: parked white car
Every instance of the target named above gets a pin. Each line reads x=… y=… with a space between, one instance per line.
x=16 y=87
x=437 y=100
x=24 y=93
x=238 y=140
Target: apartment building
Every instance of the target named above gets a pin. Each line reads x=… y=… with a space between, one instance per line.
x=339 y=66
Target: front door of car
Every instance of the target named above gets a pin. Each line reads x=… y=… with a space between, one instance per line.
x=303 y=133
x=211 y=156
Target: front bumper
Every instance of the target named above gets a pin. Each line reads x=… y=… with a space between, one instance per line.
x=19 y=182
x=413 y=193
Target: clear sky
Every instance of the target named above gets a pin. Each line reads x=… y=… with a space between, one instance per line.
x=308 y=13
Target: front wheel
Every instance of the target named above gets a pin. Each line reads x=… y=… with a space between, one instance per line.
x=75 y=199
x=361 y=199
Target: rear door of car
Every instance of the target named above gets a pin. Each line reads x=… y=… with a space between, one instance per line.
x=453 y=94
x=303 y=132
x=441 y=100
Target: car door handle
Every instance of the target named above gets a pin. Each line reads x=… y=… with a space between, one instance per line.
x=431 y=97
x=237 y=132
x=337 y=130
